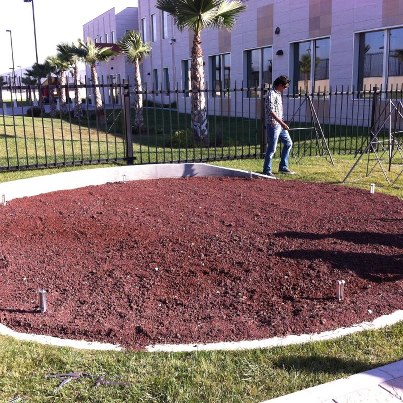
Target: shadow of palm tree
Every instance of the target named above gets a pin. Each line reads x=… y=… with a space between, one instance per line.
x=316 y=363
x=370 y=266
x=362 y=238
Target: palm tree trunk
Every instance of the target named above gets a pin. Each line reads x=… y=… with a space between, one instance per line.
x=78 y=112
x=198 y=96
x=97 y=94
x=51 y=98
x=138 y=106
x=62 y=92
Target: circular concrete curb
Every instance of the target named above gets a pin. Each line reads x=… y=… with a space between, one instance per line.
x=383 y=321
x=99 y=176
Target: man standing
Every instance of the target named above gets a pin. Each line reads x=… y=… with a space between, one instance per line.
x=276 y=127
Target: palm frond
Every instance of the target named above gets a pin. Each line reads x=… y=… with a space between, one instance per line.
x=133 y=46
x=197 y=15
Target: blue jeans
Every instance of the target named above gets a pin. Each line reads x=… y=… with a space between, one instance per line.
x=273 y=134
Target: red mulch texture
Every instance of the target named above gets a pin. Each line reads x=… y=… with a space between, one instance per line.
x=199 y=260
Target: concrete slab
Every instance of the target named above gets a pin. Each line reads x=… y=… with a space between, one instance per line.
x=383 y=384
x=394 y=387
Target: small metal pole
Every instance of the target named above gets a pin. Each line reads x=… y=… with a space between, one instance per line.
x=124 y=179
x=372 y=190
x=43 y=305
x=3 y=200
x=340 y=290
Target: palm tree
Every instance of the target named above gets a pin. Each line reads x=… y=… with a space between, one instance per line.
x=30 y=83
x=60 y=66
x=91 y=54
x=196 y=15
x=136 y=50
x=37 y=72
x=72 y=54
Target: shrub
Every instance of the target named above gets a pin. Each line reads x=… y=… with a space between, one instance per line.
x=180 y=139
x=34 y=111
x=151 y=104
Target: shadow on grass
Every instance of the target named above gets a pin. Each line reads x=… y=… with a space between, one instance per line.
x=321 y=364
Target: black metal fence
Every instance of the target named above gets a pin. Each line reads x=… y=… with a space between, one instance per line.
x=37 y=129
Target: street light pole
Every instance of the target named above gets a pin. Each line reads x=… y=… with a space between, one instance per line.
x=12 y=54
x=33 y=18
x=20 y=67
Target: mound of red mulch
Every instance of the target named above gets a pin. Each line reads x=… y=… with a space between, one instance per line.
x=199 y=260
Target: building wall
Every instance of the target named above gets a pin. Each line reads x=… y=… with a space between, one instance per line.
x=298 y=20
x=100 y=30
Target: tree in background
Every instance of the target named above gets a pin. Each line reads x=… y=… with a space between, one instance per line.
x=30 y=83
x=89 y=53
x=136 y=50
x=37 y=72
x=72 y=54
x=197 y=15
x=60 y=65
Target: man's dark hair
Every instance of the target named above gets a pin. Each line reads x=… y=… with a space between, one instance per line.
x=284 y=80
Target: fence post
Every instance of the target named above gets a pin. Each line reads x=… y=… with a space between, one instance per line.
x=373 y=115
x=263 y=137
x=374 y=102
x=128 y=124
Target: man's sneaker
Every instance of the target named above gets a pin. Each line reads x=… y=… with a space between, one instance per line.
x=286 y=171
x=268 y=173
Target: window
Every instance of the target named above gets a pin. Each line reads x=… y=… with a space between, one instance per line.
x=186 y=76
x=155 y=80
x=311 y=65
x=395 y=60
x=113 y=37
x=165 y=33
x=380 y=60
x=259 y=65
x=144 y=29
x=153 y=28
x=106 y=38
x=370 y=70
x=166 y=83
x=220 y=73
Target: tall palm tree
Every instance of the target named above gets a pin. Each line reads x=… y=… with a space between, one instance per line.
x=196 y=15
x=60 y=66
x=136 y=50
x=91 y=54
x=72 y=54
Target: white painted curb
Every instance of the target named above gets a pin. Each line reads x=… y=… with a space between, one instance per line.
x=382 y=321
x=100 y=176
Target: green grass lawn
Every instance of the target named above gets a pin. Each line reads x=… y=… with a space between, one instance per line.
x=242 y=376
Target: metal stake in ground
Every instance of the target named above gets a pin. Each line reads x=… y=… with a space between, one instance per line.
x=340 y=290
x=43 y=304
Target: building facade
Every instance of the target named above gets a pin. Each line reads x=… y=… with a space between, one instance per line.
x=107 y=29
x=319 y=44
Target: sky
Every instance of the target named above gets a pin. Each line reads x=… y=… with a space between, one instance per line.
x=56 y=21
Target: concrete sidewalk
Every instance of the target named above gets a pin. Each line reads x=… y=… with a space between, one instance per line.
x=383 y=385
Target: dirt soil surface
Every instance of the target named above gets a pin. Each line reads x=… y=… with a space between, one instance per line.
x=199 y=260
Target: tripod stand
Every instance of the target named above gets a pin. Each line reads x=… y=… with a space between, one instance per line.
x=379 y=147
x=320 y=140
